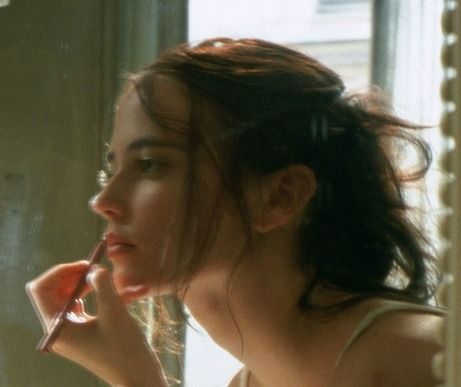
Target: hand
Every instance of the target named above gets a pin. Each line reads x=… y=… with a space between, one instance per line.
x=109 y=344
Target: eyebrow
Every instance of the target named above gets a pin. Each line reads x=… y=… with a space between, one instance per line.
x=148 y=142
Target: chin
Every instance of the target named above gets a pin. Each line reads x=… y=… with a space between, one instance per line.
x=134 y=288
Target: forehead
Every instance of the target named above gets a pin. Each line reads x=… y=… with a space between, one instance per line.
x=170 y=112
x=170 y=98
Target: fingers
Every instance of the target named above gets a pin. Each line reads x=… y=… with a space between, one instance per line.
x=62 y=277
x=107 y=299
x=63 y=269
x=99 y=343
x=49 y=291
x=79 y=306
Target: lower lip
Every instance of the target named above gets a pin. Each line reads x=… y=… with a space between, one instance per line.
x=119 y=249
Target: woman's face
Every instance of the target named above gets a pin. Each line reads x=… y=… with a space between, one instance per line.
x=144 y=197
x=141 y=200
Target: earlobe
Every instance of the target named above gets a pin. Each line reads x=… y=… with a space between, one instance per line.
x=284 y=196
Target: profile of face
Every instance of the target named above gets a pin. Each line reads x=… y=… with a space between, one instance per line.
x=144 y=195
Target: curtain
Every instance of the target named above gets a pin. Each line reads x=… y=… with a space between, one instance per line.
x=406 y=64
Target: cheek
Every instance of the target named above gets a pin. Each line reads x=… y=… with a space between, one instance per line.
x=154 y=224
x=155 y=215
x=155 y=208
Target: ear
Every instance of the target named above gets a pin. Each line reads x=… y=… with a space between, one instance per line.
x=283 y=197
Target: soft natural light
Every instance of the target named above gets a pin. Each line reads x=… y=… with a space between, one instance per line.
x=280 y=21
x=337 y=33
x=207 y=364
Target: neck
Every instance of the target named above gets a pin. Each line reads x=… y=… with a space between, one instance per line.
x=253 y=313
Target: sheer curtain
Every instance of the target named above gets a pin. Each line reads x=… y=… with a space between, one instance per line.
x=407 y=41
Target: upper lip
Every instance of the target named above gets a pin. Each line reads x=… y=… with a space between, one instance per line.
x=113 y=238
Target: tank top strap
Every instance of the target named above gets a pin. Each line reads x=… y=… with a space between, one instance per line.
x=244 y=377
x=373 y=314
x=363 y=325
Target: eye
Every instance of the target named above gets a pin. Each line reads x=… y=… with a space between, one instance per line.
x=150 y=166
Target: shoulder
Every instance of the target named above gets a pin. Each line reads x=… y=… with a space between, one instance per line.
x=396 y=350
x=408 y=343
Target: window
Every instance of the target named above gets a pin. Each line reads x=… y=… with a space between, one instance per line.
x=340 y=5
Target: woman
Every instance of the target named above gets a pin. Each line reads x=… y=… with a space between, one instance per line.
x=242 y=179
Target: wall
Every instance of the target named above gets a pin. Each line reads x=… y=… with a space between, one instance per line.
x=60 y=66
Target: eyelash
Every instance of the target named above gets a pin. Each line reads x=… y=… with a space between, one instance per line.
x=103 y=176
x=147 y=165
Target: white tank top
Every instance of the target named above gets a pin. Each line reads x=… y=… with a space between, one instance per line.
x=362 y=326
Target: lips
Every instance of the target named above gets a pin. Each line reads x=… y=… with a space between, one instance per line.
x=118 y=245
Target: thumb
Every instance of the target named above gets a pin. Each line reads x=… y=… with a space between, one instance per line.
x=107 y=299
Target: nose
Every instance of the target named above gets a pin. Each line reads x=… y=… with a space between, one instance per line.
x=106 y=206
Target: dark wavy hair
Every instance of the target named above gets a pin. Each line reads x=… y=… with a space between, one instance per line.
x=258 y=107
